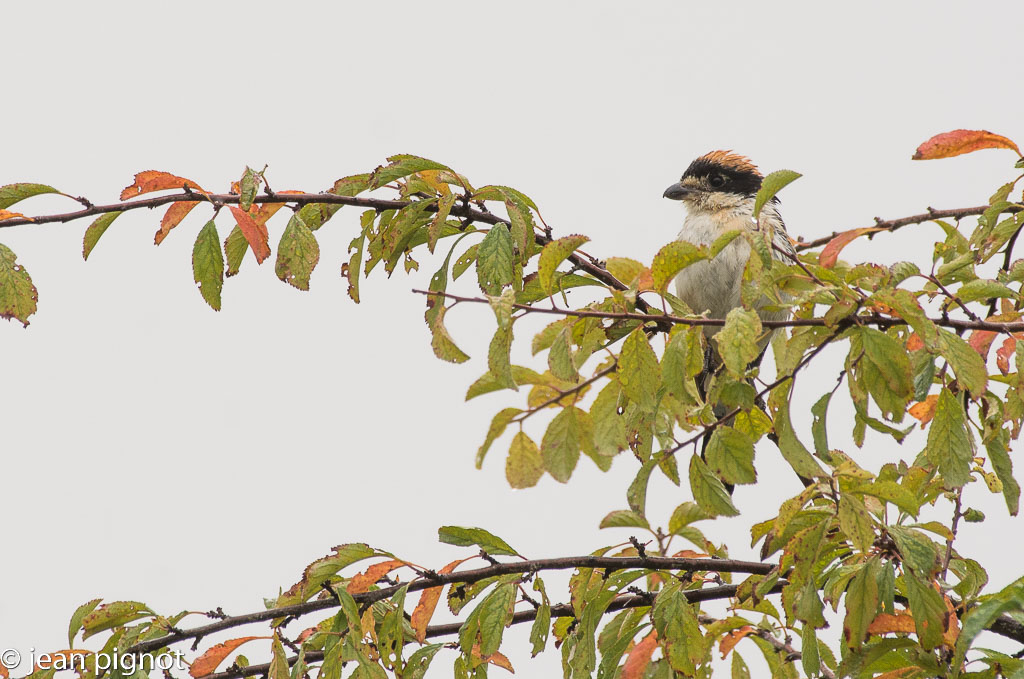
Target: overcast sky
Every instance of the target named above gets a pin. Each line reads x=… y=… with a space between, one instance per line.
x=158 y=451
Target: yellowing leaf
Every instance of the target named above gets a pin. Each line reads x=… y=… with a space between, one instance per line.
x=560 y=447
x=830 y=253
x=524 y=465
x=212 y=657
x=553 y=254
x=297 y=254
x=5 y=214
x=737 y=340
x=672 y=259
x=495 y=260
x=639 y=372
x=18 y=296
x=957 y=142
x=95 y=231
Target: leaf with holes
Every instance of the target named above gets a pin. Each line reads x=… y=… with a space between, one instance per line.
x=495 y=264
x=297 y=254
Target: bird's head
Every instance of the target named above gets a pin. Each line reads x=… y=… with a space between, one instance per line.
x=719 y=180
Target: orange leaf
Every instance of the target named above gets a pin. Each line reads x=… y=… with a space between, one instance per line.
x=646 y=280
x=949 y=144
x=1004 y=353
x=207 y=663
x=887 y=623
x=689 y=554
x=914 y=342
x=830 y=253
x=6 y=214
x=952 y=632
x=733 y=638
x=261 y=212
x=175 y=213
x=640 y=657
x=362 y=582
x=981 y=340
x=925 y=410
x=154 y=180
x=428 y=602
x=4 y=672
x=497 y=658
x=254 y=232
x=896 y=674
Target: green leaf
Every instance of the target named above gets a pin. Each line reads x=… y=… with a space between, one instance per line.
x=639 y=372
x=981 y=617
x=553 y=254
x=297 y=254
x=444 y=208
x=95 y=231
x=927 y=608
x=498 y=357
x=810 y=660
x=624 y=518
x=636 y=494
x=708 y=491
x=495 y=265
x=972 y=291
x=819 y=427
x=542 y=623
x=235 y=247
x=966 y=362
x=442 y=343
x=278 y=660
x=560 y=447
x=998 y=446
x=488 y=383
x=113 y=615
x=400 y=166
x=524 y=465
x=609 y=424
x=13 y=193
x=497 y=428
x=791 y=447
x=464 y=261
x=247 y=186
x=861 y=603
x=208 y=264
x=684 y=515
x=917 y=550
x=771 y=185
x=560 y=357
x=533 y=291
x=672 y=259
x=730 y=454
x=76 y=619
x=737 y=340
x=676 y=622
x=466 y=537
x=886 y=370
x=855 y=522
x=418 y=663
x=949 y=442
x=18 y=297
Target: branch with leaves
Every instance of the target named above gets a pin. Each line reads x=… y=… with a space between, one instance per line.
x=624 y=373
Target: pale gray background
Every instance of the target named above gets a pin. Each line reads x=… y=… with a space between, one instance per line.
x=155 y=450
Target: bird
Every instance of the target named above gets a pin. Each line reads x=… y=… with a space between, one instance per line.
x=718 y=191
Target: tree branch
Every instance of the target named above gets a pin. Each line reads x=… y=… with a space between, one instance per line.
x=847 y=322
x=895 y=224
x=437 y=580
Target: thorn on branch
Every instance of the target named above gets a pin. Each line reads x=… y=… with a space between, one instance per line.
x=488 y=558
x=641 y=548
x=330 y=591
x=84 y=201
x=217 y=614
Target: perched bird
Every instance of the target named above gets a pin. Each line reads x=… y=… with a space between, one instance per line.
x=718 y=190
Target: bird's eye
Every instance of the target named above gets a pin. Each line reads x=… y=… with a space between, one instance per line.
x=717 y=181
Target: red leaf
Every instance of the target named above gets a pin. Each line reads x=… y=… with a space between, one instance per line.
x=957 y=142
x=428 y=602
x=830 y=253
x=1004 y=353
x=640 y=657
x=495 y=658
x=207 y=663
x=175 y=213
x=981 y=340
x=360 y=583
x=254 y=232
x=154 y=180
x=914 y=342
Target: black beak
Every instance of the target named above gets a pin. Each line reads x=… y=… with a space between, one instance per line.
x=677 y=192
